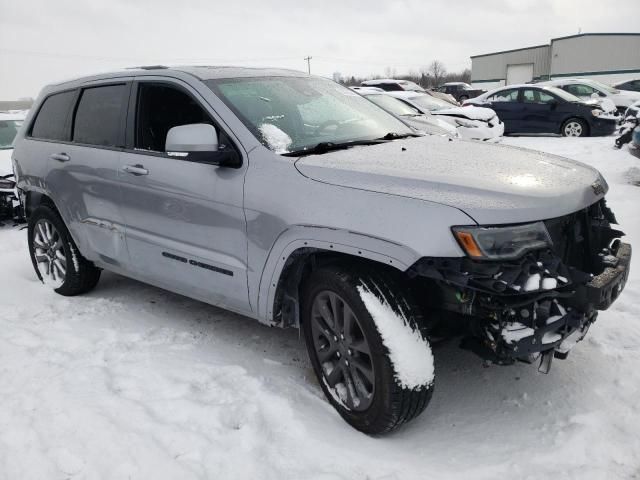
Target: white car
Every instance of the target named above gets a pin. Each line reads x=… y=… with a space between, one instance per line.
x=423 y=122
x=591 y=89
x=471 y=123
x=10 y=123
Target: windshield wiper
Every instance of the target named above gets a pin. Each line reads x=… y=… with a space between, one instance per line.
x=396 y=136
x=324 y=147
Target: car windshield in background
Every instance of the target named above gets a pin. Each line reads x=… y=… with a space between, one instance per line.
x=393 y=105
x=8 y=131
x=430 y=103
x=602 y=86
x=563 y=94
x=291 y=114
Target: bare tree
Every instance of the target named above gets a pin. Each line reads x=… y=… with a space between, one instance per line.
x=390 y=72
x=438 y=71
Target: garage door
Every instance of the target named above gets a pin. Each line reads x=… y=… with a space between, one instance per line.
x=521 y=73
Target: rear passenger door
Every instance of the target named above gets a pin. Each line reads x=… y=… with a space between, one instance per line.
x=509 y=109
x=185 y=222
x=84 y=173
x=75 y=140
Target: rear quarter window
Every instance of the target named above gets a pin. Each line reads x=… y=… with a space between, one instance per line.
x=51 y=121
x=99 y=116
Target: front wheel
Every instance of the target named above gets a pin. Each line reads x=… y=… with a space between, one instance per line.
x=55 y=257
x=574 y=127
x=363 y=337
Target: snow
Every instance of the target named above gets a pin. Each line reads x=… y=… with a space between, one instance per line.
x=130 y=381
x=410 y=354
x=277 y=139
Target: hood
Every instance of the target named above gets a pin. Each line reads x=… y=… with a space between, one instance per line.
x=6 y=168
x=431 y=124
x=470 y=112
x=493 y=184
x=605 y=103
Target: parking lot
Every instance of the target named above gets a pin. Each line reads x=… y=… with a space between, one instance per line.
x=130 y=381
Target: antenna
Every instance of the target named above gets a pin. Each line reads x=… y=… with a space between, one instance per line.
x=308 y=59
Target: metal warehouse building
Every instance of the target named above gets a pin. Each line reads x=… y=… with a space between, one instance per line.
x=606 y=57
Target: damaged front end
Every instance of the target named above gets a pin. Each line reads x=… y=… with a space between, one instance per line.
x=531 y=303
x=10 y=209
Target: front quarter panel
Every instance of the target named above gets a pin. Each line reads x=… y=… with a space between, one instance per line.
x=286 y=211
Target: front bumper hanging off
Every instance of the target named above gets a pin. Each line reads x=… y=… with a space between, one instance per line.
x=537 y=306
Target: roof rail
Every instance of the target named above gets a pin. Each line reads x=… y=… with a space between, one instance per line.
x=148 y=67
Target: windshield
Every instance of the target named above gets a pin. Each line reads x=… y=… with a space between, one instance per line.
x=430 y=103
x=602 y=86
x=563 y=94
x=8 y=131
x=290 y=114
x=393 y=105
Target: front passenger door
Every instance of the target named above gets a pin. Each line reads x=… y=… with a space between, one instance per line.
x=185 y=221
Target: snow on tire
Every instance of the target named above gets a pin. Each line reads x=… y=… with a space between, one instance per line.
x=371 y=359
x=55 y=257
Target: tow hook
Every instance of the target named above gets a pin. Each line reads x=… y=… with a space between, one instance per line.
x=545 y=362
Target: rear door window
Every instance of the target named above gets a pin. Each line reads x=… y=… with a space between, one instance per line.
x=99 y=116
x=51 y=121
x=505 y=96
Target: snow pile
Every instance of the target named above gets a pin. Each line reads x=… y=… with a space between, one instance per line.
x=277 y=140
x=410 y=354
x=130 y=381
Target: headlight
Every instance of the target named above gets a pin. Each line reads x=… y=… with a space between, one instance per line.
x=596 y=112
x=502 y=243
x=461 y=122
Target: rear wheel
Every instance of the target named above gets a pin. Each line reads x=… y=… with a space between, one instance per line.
x=55 y=257
x=355 y=368
x=574 y=127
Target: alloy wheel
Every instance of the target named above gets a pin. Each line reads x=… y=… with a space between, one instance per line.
x=573 y=129
x=49 y=253
x=342 y=351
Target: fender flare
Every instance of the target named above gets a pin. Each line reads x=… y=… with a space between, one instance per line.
x=326 y=239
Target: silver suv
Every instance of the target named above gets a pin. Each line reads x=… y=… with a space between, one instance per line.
x=297 y=202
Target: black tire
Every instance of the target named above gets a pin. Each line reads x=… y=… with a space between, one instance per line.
x=390 y=404
x=80 y=275
x=575 y=127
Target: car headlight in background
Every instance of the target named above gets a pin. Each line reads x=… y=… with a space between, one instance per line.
x=502 y=243
x=461 y=122
x=596 y=112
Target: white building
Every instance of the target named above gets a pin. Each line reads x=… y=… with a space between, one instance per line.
x=606 y=57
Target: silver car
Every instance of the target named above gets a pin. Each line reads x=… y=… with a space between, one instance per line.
x=297 y=202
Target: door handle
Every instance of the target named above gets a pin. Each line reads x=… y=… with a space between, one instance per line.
x=135 y=170
x=61 y=157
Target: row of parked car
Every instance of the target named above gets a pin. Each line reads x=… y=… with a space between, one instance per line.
x=570 y=107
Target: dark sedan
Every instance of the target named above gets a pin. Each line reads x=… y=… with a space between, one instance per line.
x=541 y=109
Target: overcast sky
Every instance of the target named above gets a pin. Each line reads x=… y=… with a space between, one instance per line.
x=46 y=40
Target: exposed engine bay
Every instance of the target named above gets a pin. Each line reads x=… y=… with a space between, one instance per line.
x=541 y=304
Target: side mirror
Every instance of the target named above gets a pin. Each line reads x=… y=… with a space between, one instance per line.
x=595 y=95
x=198 y=142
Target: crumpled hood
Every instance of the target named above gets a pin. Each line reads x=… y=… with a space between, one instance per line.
x=493 y=184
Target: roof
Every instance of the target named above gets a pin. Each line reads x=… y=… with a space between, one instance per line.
x=509 y=51
x=378 y=81
x=624 y=34
x=13 y=115
x=203 y=72
x=556 y=39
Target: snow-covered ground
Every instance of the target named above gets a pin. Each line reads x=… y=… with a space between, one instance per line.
x=131 y=382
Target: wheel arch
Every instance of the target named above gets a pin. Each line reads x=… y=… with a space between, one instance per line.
x=299 y=250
